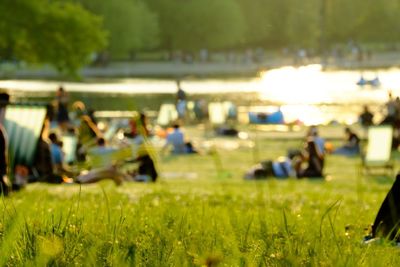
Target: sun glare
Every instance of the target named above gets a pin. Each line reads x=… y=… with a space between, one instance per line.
x=289 y=85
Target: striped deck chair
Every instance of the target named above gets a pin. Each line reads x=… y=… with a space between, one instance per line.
x=23 y=124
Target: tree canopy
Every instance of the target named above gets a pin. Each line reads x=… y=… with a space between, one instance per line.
x=131 y=25
x=65 y=32
x=59 y=33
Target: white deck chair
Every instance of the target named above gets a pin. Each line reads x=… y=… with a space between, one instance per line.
x=70 y=143
x=217 y=113
x=378 y=154
x=167 y=114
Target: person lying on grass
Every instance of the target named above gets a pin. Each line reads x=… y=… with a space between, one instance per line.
x=309 y=163
x=146 y=171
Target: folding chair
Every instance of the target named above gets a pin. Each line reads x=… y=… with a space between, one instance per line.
x=216 y=113
x=379 y=147
x=167 y=114
x=70 y=143
x=23 y=124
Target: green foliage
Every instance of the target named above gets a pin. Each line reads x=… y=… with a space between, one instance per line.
x=63 y=34
x=193 y=25
x=59 y=33
x=303 y=23
x=131 y=25
x=257 y=21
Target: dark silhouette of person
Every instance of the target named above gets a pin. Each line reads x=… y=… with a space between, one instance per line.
x=387 y=221
x=314 y=161
x=4 y=182
x=366 y=117
x=62 y=108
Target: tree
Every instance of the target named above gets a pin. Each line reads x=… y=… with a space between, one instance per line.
x=257 y=22
x=60 y=33
x=192 y=25
x=132 y=26
x=303 y=23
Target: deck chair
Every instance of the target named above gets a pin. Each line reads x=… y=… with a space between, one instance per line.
x=70 y=143
x=167 y=114
x=216 y=113
x=379 y=147
x=112 y=130
x=23 y=124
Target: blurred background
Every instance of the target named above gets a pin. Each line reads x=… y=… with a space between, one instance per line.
x=306 y=56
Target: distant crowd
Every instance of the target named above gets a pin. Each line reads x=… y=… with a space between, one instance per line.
x=56 y=162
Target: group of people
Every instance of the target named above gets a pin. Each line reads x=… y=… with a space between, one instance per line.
x=49 y=163
x=305 y=162
x=51 y=166
x=299 y=163
x=391 y=112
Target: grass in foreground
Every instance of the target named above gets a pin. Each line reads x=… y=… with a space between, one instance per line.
x=211 y=220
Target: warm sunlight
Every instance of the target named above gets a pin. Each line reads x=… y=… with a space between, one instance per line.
x=291 y=85
x=310 y=85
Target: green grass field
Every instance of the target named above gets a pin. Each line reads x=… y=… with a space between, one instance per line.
x=216 y=218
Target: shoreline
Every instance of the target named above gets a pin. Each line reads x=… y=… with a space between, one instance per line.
x=200 y=70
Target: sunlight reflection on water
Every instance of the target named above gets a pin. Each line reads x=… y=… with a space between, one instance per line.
x=305 y=93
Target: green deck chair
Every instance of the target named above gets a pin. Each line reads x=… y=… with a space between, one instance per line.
x=23 y=124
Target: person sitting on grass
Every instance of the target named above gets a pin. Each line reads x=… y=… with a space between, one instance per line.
x=308 y=162
x=280 y=168
x=101 y=147
x=57 y=156
x=176 y=140
x=312 y=158
x=352 y=145
x=43 y=169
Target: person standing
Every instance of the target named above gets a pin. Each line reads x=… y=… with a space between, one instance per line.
x=366 y=117
x=62 y=99
x=391 y=110
x=180 y=101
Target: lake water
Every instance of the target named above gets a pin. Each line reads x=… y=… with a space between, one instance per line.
x=307 y=93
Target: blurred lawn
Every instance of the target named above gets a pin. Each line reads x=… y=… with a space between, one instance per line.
x=204 y=220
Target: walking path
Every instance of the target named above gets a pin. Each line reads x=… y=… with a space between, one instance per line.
x=179 y=69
